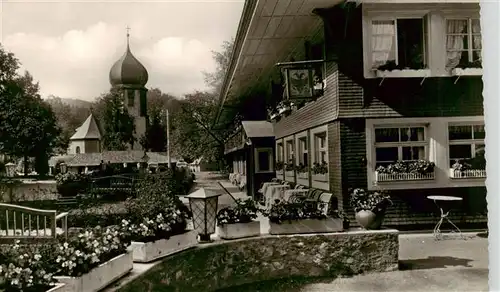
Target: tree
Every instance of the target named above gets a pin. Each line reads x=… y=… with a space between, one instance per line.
x=222 y=58
x=194 y=135
x=69 y=118
x=28 y=127
x=118 y=124
x=155 y=139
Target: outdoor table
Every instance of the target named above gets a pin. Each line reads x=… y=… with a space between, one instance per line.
x=289 y=194
x=274 y=192
x=444 y=216
x=266 y=185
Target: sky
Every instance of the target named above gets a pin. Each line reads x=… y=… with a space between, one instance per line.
x=69 y=46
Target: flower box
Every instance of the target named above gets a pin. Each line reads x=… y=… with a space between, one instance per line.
x=320 y=177
x=389 y=177
x=303 y=175
x=239 y=230
x=144 y=252
x=467 y=71
x=470 y=173
x=100 y=276
x=289 y=173
x=306 y=226
x=403 y=73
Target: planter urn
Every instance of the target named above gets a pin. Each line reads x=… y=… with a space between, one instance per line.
x=369 y=220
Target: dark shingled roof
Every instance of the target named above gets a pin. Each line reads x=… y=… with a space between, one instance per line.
x=132 y=156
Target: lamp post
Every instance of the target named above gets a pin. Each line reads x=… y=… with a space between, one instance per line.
x=203 y=204
x=10 y=169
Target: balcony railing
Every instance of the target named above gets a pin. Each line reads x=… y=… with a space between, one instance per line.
x=470 y=173
x=390 y=177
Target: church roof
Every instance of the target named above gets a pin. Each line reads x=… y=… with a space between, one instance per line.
x=88 y=130
x=128 y=70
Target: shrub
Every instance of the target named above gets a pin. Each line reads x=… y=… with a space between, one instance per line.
x=71 y=184
x=156 y=212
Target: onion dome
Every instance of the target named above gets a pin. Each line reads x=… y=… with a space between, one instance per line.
x=128 y=70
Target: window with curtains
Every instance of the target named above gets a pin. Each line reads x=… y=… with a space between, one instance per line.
x=393 y=144
x=466 y=142
x=320 y=148
x=279 y=152
x=399 y=43
x=289 y=152
x=463 y=43
x=303 y=151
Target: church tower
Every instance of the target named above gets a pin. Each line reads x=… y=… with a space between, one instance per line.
x=129 y=76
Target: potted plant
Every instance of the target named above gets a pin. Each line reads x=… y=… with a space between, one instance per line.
x=320 y=171
x=343 y=216
x=468 y=69
x=238 y=221
x=298 y=218
x=289 y=169
x=369 y=207
x=406 y=170
x=279 y=167
x=157 y=219
x=284 y=107
x=93 y=259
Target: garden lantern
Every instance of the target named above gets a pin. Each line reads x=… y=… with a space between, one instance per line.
x=10 y=169
x=64 y=167
x=203 y=204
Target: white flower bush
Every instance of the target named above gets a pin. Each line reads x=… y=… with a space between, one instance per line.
x=31 y=268
x=24 y=268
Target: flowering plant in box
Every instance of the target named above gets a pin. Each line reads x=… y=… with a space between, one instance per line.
x=243 y=212
x=288 y=211
x=301 y=168
x=279 y=165
x=88 y=249
x=320 y=168
x=26 y=268
x=419 y=166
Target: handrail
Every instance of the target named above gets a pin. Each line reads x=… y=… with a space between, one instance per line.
x=28 y=209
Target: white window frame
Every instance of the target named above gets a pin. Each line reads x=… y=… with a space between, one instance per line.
x=471 y=142
x=316 y=149
x=301 y=141
x=400 y=144
x=470 y=35
x=394 y=16
x=269 y=152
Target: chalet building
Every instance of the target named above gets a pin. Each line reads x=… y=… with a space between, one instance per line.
x=376 y=94
x=87 y=138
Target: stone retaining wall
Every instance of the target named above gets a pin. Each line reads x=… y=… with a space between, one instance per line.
x=31 y=191
x=225 y=264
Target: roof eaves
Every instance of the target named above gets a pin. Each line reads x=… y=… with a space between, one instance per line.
x=243 y=27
